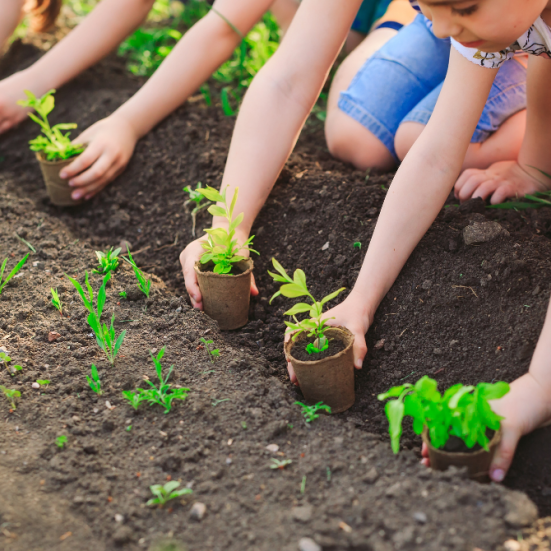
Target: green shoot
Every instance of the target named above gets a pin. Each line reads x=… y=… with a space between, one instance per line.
x=462 y=411
x=54 y=144
x=303 y=485
x=93 y=381
x=11 y=394
x=280 y=463
x=60 y=441
x=43 y=382
x=105 y=336
x=357 y=245
x=315 y=325
x=122 y=294
x=311 y=412
x=108 y=261
x=195 y=196
x=56 y=301
x=144 y=285
x=12 y=369
x=244 y=425
x=164 y=493
x=221 y=247
x=128 y=428
x=25 y=242
x=212 y=353
x=162 y=395
x=217 y=401
x=18 y=267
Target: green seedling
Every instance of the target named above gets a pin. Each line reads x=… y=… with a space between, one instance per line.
x=357 y=245
x=311 y=412
x=18 y=267
x=280 y=463
x=25 y=242
x=162 y=395
x=56 y=301
x=462 y=411
x=243 y=425
x=108 y=261
x=221 y=247
x=94 y=381
x=164 y=493
x=43 y=382
x=128 y=428
x=12 y=369
x=53 y=144
x=199 y=201
x=144 y=285
x=212 y=353
x=122 y=294
x=105 y=336
x=11 y=395
x=315 y=325
x=60 y=441
x=216 y=402
x=303 y=485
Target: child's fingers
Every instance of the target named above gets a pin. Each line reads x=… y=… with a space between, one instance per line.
x=254 y=288
x=466 y=189
x=189 y=256
x=98 y=171
x=360 y=350
x=424 y=450
x=82 y=162
x=96 y=186
x=502 y=193
x=292 y=375
x=505 y=453
x=486 y=189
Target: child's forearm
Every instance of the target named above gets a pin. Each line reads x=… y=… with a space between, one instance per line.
x=424 y=180
x=97 y=35
x=11 y=14
x=540 y=367
x=279 y=100
x=198 y=54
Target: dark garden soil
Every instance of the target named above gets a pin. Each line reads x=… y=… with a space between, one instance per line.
x=457 y=312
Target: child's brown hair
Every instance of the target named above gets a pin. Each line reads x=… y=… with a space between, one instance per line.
x=43 y=13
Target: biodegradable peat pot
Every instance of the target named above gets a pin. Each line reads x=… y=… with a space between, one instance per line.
x=226 y=297
x=477 y=463
x=58 y=189
x=330 y=380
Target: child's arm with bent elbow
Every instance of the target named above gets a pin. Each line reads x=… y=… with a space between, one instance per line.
x=12 y=11
x=98 y=34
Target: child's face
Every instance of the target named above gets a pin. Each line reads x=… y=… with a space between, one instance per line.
x=489 y=25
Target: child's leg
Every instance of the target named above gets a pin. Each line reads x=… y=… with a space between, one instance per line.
x=500 y=131
x=12 y=12
x=361 y=124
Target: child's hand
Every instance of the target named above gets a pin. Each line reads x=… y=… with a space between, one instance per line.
x=502 y=180
x=109 y=146
x=190 y=255
x=11 y=90
x=350 y=314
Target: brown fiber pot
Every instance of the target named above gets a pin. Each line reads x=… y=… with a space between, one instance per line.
x=226 y=297
x=58 y=189
x=330 y=380
x=477 y=463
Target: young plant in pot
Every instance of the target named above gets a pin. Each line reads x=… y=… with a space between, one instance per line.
x=321 y=355
x=53 y=149
x=223 y=275
x=458 y=426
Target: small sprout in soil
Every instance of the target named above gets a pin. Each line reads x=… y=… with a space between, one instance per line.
x=310 y=412
x=43 y=382
x=164 y=493
x=462 y=411
x=54 y=144
x=303 y=485
x=108 y=261
x=280 y=463
x=12 y=369
x=105 y=336
x=25 y=242
x=93 y=380
x=60 y=441
x=11 y=394
x=290 y=426
x=212 y=353
x=162 y=395
x=122 y=294
x=128 y=428
x=243 y=425
x=316 y=326
x=221 y=247
x=328 y=473
x=357 y=245
x=144 y=285
x=56 y=301
x=18 y=267
x=216 y=402
x=196 y=197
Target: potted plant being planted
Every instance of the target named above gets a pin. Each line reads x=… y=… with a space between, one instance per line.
x=223 y=275
x=458 y=427
x=53 y=149
x=321 y=355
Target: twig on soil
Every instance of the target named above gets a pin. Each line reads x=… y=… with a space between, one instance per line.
x=465 y=287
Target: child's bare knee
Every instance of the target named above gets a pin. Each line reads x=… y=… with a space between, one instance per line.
x=407 y=134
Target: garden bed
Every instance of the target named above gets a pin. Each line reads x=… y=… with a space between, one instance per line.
x=457 y=313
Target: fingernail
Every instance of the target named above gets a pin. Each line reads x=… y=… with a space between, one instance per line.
x=358 y=364
x=63 y=174
x=77 y=195
x=498 y=475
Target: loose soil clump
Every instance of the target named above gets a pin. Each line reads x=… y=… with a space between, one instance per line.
x=459 y=313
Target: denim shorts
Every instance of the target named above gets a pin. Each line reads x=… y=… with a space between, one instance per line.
x=401 y=82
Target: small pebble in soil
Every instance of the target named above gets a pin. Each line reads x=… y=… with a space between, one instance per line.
x=272 y=448
x=420 y=517
x=53 y=336
x=512 y=545
x=302 y=513
x=198 y=511
x=119 y=517
x=308 y=544
x=35 y=385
